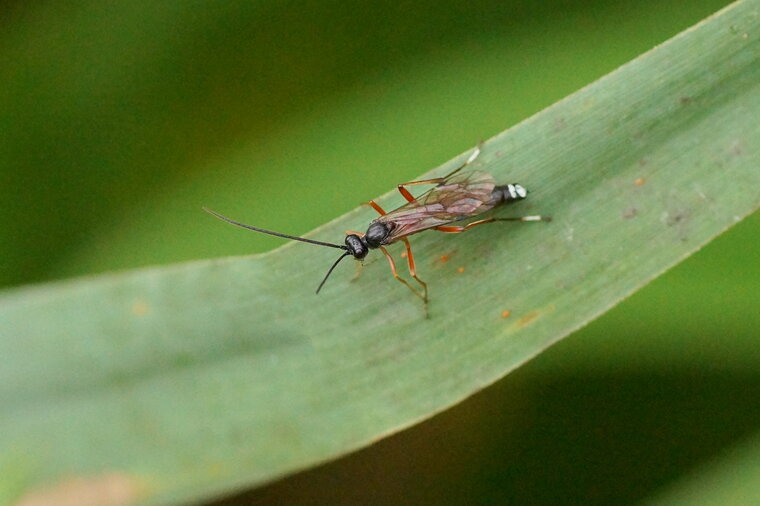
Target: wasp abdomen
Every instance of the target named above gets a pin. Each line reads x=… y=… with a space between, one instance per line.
x=508 y=193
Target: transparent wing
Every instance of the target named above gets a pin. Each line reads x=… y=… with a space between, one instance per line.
x=461 y=196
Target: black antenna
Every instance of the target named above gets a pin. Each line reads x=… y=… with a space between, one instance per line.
x=263 y=231
x=344 y=255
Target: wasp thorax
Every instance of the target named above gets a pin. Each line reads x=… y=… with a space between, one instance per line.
x=356 y=246
x=376 y=234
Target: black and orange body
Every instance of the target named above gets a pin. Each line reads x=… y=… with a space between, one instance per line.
x=455 y=197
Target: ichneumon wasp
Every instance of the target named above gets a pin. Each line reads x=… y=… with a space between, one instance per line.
x=456 y=196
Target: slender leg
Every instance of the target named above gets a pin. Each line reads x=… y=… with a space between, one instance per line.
x=359 y=264
x=395 y=275
x=376 y=207
x=471 y=159
x=408 y=196
x=413 y=270
x=437 y=180
x=358 y=272
x=458 y=229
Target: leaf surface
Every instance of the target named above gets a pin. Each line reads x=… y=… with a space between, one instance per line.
x=194 y=379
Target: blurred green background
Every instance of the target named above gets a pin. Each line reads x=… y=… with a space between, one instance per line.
x=120 y=120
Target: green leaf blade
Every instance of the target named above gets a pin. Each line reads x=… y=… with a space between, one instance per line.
x=201 y=377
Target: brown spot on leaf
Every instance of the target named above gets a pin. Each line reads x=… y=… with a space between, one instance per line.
x=640 y=181
x=685 y=100
x=403 y=254
x=506 y=313
x=528 y=318
x=140 y=308
x=630 y=213
x=676 y=218
x=460 y=270
x=532 y=316
x=109 y=489
x=215 y=468
x=445 y=257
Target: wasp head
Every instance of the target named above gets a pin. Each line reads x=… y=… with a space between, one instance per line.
x=356 y=246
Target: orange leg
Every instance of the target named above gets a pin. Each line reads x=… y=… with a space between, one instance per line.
x=358 y=272
x=465 y=228
x=377 y=207
x=438 y=180
x=413 y=270
x=405 y=282
x=408 y=196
